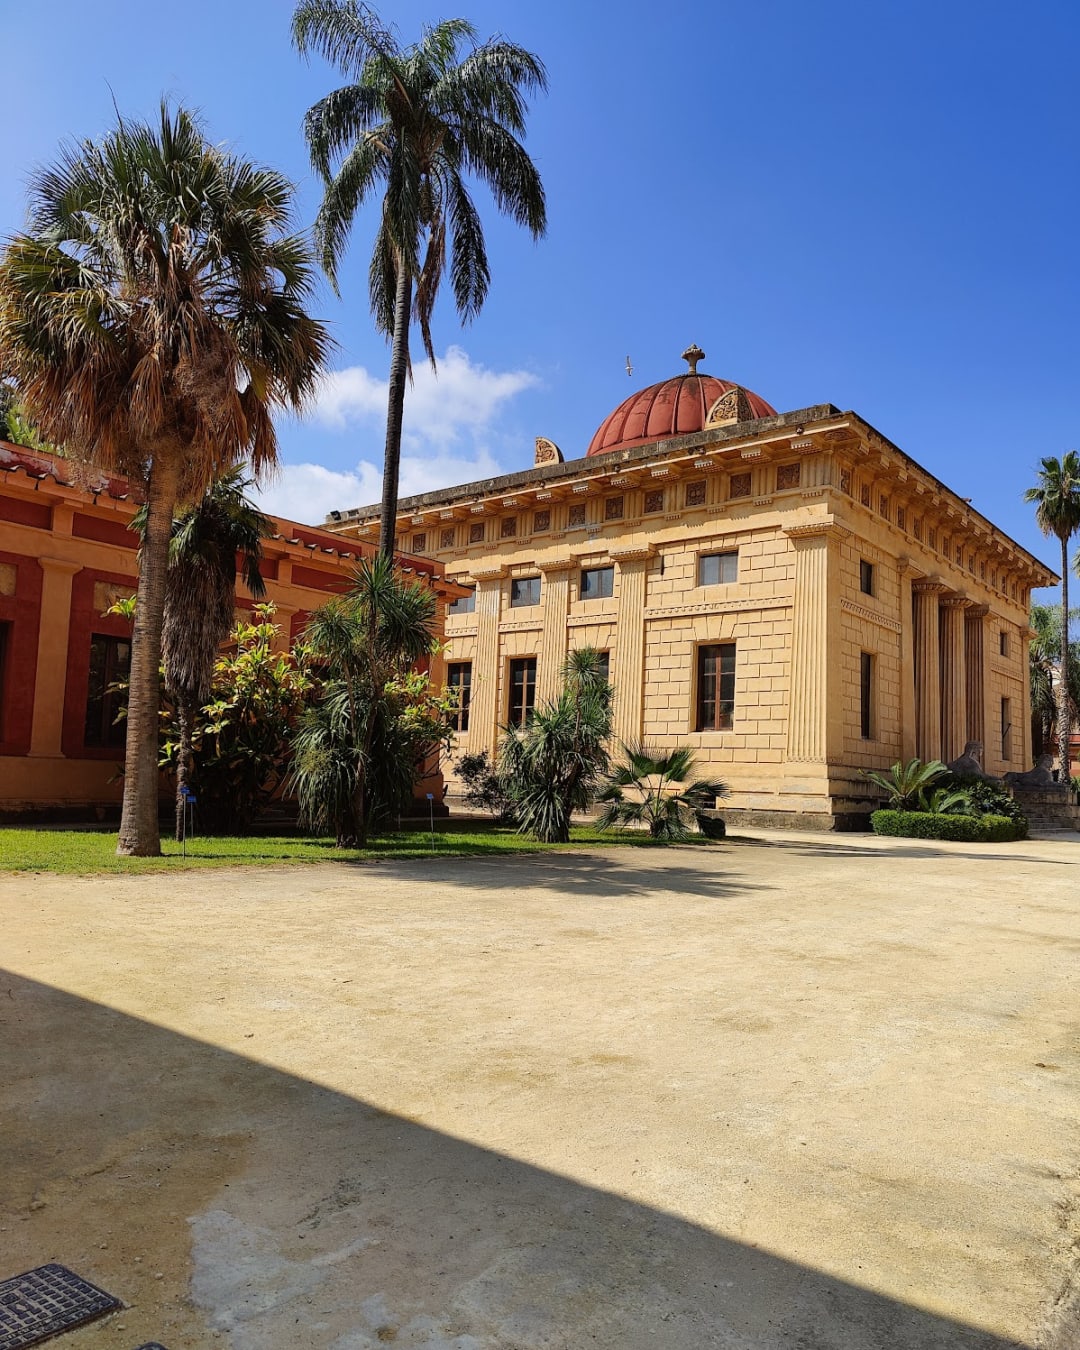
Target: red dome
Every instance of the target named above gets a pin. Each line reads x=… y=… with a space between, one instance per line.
x=673 y=407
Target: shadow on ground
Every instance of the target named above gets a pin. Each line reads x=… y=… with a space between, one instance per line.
x=167 y=1169
x=839 y=847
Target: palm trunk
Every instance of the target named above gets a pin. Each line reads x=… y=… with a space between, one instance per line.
x=184 y=710
x=1063 y=674
x=399 y=371
x=139 y=831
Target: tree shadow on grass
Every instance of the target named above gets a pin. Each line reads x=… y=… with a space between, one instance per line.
x=296 y=1215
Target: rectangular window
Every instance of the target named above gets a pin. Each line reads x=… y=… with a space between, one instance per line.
x=716 y=569
x=597 y=583
x=1006 y=728
x=522 y=690
x=866 y=694
x=866 y=577
x=715 y=687
x=459 y=679
x=464 y=604
x=110 y=661
x=525 y=591
x=603 y=660
x=1003 y=642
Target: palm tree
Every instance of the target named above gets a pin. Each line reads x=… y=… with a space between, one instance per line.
x=656 y=788
x=352 y=764
x=1057 y=511
x=416 y=120
x=1044 y=655
x=153 y=317
x=552 y=766
x=905 y=785
x=200 y=599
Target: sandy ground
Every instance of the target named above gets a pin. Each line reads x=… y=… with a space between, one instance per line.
x=787 y=1093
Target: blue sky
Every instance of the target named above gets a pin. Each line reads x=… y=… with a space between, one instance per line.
x=869 y=205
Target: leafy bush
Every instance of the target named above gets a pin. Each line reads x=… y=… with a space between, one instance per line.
x=906 y=784
x=985 y=798
x=656 y=787
x=483 y=787
x=988 y=829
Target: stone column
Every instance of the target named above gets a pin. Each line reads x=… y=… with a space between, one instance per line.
x=927 y=670
x=555 y=600
x=812 y=700
x=47 y=725
x=975 y=669
x=484 y=716
x=628 y=666
x=907 y=662
x=953 y=679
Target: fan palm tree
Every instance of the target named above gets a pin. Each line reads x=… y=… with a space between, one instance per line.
x=906 y=784
x=414 y=122
x=656 y=788
x=347 y=763
x=1057 y=510
x=200 y=599
x=153 y=316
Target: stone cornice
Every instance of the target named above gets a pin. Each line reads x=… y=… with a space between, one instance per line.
x=812 y=529
x=635 y=553
x=870 y=615
x=653 y=612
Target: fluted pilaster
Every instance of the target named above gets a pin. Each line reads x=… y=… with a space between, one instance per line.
x=555 y=599
x=807 y=739
x=47 y=724
x=975 y=672
x=483 y=714
x=953 y=678
x=628 y=672
x=927 y=670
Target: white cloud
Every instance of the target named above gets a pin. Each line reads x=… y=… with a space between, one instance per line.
x=451 y=421
x=440 y=406
x=307 y=493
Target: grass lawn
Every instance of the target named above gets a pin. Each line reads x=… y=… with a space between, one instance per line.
x=82 y=852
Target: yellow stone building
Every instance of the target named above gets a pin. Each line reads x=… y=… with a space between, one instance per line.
x=790 y=594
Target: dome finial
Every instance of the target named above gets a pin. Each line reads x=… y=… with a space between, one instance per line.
x=692 y=356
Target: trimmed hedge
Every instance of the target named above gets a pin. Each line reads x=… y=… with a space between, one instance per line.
x=960 y=829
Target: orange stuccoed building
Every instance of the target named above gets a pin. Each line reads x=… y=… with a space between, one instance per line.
x=66 y=555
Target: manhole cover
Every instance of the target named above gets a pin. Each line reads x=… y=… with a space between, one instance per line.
x=46 y=1301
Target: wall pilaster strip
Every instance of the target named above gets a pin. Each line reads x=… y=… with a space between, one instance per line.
x=484 y=716
x=953 y=678
x=628 y=673
x=555 y=599
x=927 y=671
x=47 y=725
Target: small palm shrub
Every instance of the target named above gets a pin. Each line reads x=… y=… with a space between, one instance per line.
x=905 y=784
x=553 y=766
x=656 y=788
x=943 y=801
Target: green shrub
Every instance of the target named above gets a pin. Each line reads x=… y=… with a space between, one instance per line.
x=988 y=829
x=985 y=797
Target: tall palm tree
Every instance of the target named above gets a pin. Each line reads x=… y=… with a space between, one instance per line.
x=414 y=122
x=1044 y=656
x=200 y=599
x=153 y=316
x=1057 y=510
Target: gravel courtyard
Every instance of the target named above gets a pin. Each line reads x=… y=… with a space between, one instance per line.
x=786 y=1093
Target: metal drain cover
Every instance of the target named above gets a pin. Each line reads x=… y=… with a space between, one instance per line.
x=45 y=1302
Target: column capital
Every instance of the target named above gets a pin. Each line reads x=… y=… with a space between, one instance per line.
x=977 y=611
x=929 y=586
x=954 y=601
x=61 y=566
x=816 y=529
x=491 y=573
x=556 y=565
x=632 y=554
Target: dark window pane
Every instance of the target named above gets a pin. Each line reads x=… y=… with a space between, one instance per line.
x=866 y=693
x=522 y=690
x=716 y=687
x=715 y=569
x=597 y=583
x=110 y=661
x=459 y=679
x=866 y=577
x=465 y=605
x=525 y=591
